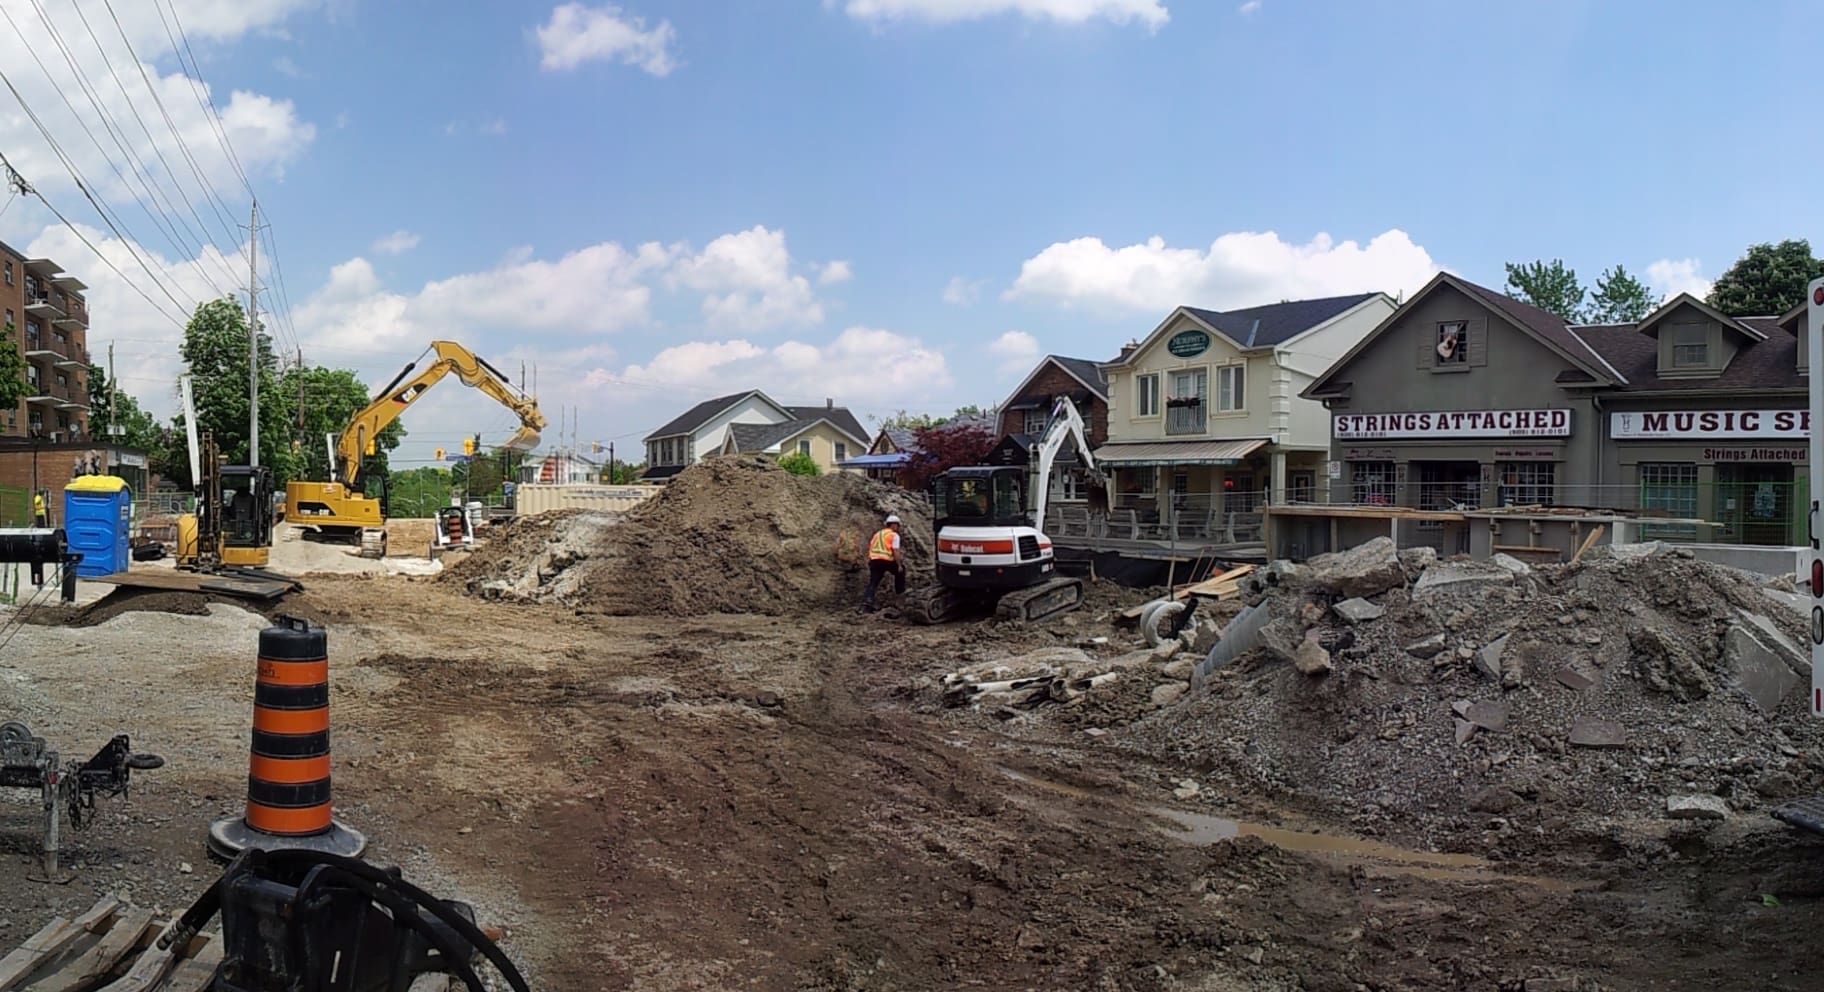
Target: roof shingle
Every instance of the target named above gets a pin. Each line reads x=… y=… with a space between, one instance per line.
x=1277 y=323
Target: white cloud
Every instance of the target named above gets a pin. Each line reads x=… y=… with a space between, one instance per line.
x=748 y=281
x=862 y=364
x=496 y=126
x=1017 y=351
x=1252 y=6
x=396 y=243
x=963 y=292
x=576 y=34
x=1238 y=270
x=1670 y=277
x=1150 y=13
x=834 y=272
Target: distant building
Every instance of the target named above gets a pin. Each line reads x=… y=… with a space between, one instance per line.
x=560 y=469
x=703 y=431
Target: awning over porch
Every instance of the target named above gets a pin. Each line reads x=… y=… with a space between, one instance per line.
x=889 y=460
x=1154 y=454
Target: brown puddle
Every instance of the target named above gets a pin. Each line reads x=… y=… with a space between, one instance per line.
x=1376 y=858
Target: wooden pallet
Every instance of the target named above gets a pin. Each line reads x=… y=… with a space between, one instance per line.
x=111 y=948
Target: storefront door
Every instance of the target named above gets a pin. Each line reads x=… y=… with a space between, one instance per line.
x=1754 y=501
x=1445 y=485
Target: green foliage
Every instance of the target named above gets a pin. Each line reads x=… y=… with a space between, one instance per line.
x=901 y=420
x=799 y=463
x=623 y=473
x=139 y=429
x=1620 y=298
x=1767 y=280
x=12 y=368
x=328 y=399
x=967 y=411
x=1549 y=286
x=484 y=473
x=418 y=492
x=216 y=350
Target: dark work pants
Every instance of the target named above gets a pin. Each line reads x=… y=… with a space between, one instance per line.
x=876 y=570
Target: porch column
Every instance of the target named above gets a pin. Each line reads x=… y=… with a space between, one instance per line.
x=1278 y=490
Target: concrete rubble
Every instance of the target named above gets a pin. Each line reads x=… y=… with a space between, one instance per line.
x=1697 y=808
x=1358 y=610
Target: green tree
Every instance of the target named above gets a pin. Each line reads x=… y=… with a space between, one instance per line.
x=967 y=411
x=1620 y=298
x=901 y=420
x=216 y=351
x=12 y=369
x=484 y=473
x=624 y=473
x=1768 y=279
x=109 y=404
x=318 y=403
x=1549 y=286
x=799 y=463
x=418 y=492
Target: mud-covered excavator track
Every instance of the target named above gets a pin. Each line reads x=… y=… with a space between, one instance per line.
x=939 y=604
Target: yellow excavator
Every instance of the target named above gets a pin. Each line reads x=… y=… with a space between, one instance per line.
x=339 y=508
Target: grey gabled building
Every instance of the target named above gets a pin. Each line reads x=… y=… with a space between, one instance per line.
x=1464 y=397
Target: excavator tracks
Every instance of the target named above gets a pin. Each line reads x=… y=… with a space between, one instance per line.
x=935 y=605
x=1047 y=599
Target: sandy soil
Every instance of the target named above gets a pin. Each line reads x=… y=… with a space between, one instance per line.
x=780 y=802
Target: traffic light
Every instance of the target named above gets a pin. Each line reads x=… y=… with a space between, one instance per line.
x=468 y=446
x=440 y=454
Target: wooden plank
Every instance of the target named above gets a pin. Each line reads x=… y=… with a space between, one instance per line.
x=1214 y=586
x=128 y=935
x=148 y=971
x=25 y=958
x=194 y=973
x=1587 y=542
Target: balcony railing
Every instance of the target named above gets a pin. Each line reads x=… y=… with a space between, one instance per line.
x=43 y=304
x=1185 y=420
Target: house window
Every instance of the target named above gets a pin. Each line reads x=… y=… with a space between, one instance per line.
x=1232 y=387
x=1302 y=487
x=9 y=272
x=1146 y=395
x=842 y=452
x=1149 y=481
x=1690 y=346
x=1187 y=402
x=804 y=446
x=1527 y=483
x=9 y=319
x=1034 y=423
x=1453 y=344
x=63 y=421
x=31 y=331
x=1181 y=482
x=1373 y=483
x=1070 y=490
x=1239 y=494
x=1670 y=488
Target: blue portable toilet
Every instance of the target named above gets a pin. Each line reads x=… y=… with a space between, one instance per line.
x=97 y=523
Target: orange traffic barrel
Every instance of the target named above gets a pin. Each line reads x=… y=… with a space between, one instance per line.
x=288 y=792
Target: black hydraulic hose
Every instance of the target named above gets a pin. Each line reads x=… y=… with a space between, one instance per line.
x=404 y=912
x=409 y=366
x=490 y=368
x=200 y=912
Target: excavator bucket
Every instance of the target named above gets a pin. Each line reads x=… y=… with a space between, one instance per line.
x=525 y=439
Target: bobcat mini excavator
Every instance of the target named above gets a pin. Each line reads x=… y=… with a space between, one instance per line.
x=339 y=508
x=989 y=549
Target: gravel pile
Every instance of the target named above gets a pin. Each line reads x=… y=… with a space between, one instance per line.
x=1488 y=703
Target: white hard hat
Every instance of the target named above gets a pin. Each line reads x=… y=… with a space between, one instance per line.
x=892 y=518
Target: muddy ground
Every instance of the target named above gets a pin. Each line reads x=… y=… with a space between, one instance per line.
x=779 y=802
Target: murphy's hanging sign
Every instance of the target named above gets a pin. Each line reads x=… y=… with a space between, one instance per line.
x=1441 y=425
x=1709 y=424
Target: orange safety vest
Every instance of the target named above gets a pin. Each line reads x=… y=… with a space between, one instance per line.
x=881 y=547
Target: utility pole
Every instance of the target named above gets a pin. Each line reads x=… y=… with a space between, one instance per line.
x=300 y=441
x=253 y=336
x=112 y=383
x=611 y=479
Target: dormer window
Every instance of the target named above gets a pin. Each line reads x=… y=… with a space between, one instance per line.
x=1453 y=344
x=1690 y=346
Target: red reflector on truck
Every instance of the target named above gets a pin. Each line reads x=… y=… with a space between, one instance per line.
x=1817 y=576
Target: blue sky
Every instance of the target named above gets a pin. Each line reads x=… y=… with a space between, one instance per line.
x=895 y=203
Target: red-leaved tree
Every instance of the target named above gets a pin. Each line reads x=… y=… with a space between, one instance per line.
x=942 y=448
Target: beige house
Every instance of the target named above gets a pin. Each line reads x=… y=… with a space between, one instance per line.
x=1205 y=420
x=825 y=439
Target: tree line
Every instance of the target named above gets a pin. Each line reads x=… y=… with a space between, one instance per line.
x=1768 y=280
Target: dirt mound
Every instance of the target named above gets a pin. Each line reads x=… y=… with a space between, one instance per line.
x=725 y=536
x=1599 y=691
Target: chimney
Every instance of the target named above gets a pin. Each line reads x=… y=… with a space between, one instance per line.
x=829 y=404
x=1129 y=348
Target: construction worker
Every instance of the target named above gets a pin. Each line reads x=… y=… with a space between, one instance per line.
x=885 y=556
x=41 y=516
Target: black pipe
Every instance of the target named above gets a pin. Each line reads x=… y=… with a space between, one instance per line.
x=32 y=545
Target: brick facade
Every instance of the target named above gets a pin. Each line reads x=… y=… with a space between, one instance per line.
x=1046 y=385
x=56 y=466
x=49 y=325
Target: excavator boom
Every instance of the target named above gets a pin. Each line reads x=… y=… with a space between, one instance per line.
x=335 y=506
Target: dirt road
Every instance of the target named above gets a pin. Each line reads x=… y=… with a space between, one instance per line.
x=781 y=803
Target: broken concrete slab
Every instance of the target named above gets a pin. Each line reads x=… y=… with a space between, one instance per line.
x=1364 y=570
x=1465 y=730
x=1771 y=635
x=1179 y=668
x=1488 y=660
x=1459 y=576
x=1426 y=648
x=1510 y=563
x=1239 y=637
x=1169 y=693
x=1359 y=610
x=1798 y=603
x=1697 y=808
x=1311 y=658
x=1571 y=678
x=1487 y=715
x=1417 y=560
x=1758 y=670
x=1461 y=707
x=1590 y=731
x=1638 y=552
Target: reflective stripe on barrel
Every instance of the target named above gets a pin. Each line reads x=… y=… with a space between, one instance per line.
x=288 y=791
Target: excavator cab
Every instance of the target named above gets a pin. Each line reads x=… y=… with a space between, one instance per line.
x=982 y=496
x=246 y=513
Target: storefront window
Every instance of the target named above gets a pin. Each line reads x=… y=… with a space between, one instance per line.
x=1671 y=489
x=1527 y=483
x=1373 y=483
x=1449 y=485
